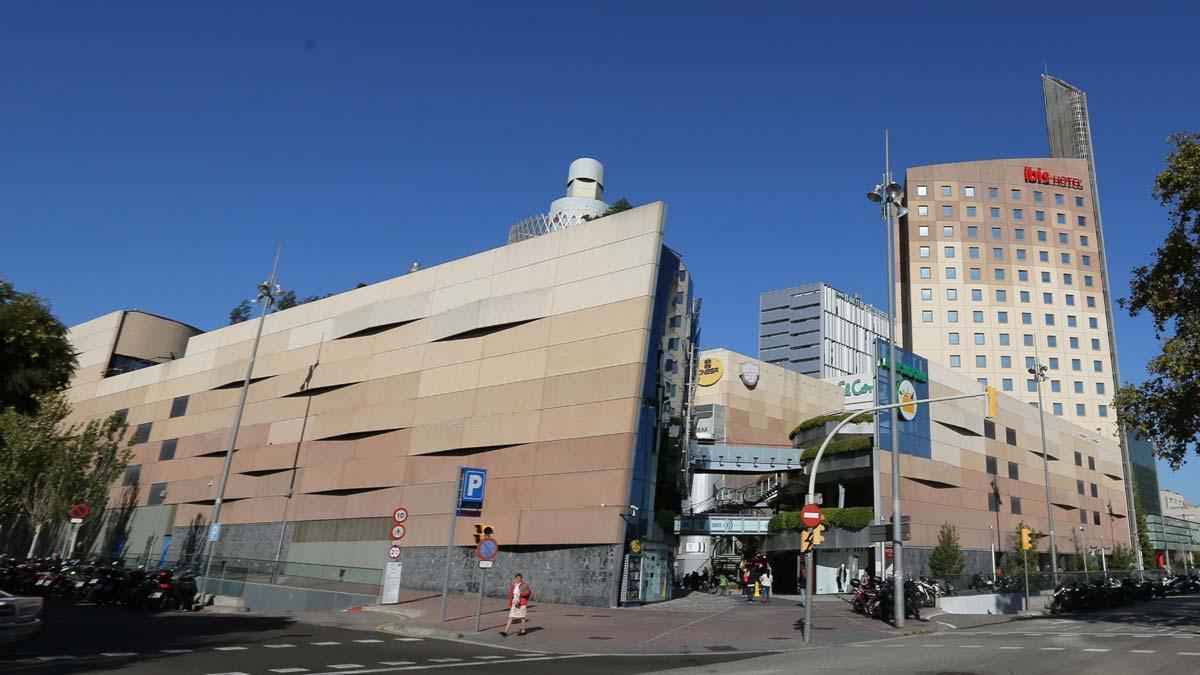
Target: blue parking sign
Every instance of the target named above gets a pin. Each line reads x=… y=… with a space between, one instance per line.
x=473 y=482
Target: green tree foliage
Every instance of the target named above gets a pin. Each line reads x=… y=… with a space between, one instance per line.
x=1166 y=407
x=849 y=518
x=1143 y=534
x=822 y=420
x=618 y=206
x=35 y=355
x=1121 y=558
x=947 y=558
x=243 y=310
x=1016 y=559
x=47 y=464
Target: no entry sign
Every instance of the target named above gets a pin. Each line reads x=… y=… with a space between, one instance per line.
x=810 y=515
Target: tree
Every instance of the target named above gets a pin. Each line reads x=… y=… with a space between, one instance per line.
x=1143 y=534
x=47 y=464
x=240 y=313
x=35 y=355
x=947 y=558
x=1121 y=558
x=288 y=300
x=1166 y=407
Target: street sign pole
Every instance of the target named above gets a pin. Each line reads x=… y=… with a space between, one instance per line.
x=450 y=544
x=479 y=605
x=1025 y=564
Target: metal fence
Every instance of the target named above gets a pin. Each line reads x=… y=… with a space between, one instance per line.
x=1039 y=582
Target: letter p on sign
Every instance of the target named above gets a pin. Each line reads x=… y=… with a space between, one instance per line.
x=474 y=481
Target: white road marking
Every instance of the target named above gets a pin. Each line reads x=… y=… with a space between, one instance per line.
x=175 y=651
x=407 y=639
x=281 y=646
x=289 y=670
x=233 y=673
x=368 y=641
x=489 y=657
x=324 y=644
x=54 y=658
x=397 y=663
x=1052 y=649
x=118 y=653
x=1095 y=650
x=933 y=645
x=1004 y=647
x=443 y=660
x=969 y=647
x=230 y=649
x=1139 y=651
x=344 y=666
x=1188 y=653
x=467 y=664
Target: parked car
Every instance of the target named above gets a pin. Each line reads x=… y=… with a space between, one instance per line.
x=20 y=616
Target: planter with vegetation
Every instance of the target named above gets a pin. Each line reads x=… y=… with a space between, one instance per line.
x=851 y=518
x=821 y=420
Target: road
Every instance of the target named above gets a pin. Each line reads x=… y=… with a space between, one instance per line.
x=1162 y=636
x=92 y=639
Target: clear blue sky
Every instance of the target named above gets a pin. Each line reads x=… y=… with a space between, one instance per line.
x=152 y=157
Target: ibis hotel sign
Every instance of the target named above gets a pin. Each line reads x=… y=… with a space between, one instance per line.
x=1036 y=175
x=912 y=384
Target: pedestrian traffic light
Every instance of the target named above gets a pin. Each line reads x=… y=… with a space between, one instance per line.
x=805 y=541
x=817 y=537
x=991 y=403
x=483 y=532
x=1026 y=539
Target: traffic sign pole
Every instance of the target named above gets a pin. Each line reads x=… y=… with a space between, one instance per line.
x=450 y=544
x=487 y=550
x=479 y=605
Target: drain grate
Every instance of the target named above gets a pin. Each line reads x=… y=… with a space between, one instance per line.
x=720 y=648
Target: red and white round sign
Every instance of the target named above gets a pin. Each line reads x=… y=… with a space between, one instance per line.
x=398 y=532
x=400 y=515
x=394 y=552
x=810 y=515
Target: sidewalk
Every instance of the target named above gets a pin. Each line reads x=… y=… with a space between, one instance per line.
x=697 y=623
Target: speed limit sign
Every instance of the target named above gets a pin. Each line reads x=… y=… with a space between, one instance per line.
x=394 y=552
x=398 y=532
x=400 y=515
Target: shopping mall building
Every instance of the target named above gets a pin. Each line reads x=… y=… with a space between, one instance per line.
x=556 y=362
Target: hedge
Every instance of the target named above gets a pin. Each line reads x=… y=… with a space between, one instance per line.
x=853 y=444
x=821 y=420
x=850 y=518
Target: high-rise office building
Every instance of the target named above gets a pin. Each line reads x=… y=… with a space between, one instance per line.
x=819 y=331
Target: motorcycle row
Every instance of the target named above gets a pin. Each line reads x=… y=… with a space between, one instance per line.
x=874 y=598
x=100 y=582
x=1103 y=593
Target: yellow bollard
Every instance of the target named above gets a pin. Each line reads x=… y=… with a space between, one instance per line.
x=757 y=590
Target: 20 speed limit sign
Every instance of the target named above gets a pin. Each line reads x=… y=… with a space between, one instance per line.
x=394 y=552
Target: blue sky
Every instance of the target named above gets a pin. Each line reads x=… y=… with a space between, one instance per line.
x=152 y=157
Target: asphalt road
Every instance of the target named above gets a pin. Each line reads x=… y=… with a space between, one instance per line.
x=1161 y=636
x=92 y=639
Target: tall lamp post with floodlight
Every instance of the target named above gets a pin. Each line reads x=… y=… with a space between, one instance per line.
x=268 y=294
x=888 y=194
x=1039 y=376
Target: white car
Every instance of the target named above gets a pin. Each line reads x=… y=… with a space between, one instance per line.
x=19 y=616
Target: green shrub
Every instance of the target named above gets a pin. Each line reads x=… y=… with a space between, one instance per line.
x=851 y=518
x=821 y=420
x=853 y=444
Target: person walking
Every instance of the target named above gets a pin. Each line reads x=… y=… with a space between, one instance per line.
x=841 y=577
x=765 y=581
x=723 y=584
x=802 y=582
x=519 y=593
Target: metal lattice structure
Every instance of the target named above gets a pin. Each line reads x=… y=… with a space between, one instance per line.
x=543 y=223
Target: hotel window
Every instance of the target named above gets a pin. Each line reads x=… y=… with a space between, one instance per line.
x=1071 y=321
x=972 y=231
x=1044 y=256
x=1064 y=238
x=1048 y=298
x=179 y=406
x=996 y=233
x=927 y=316
x=1055 y=386
x=1080 y=411
x=1103 y=410
x=955 y=360
x=1019 y=234
x=1039 y=216
x=947 y=230
x=1058 y=409
x=998 y=273
x=1065 y=257
x=1022 y=275
x=922 y=209
x=1001 y=295
x=1070 y=300
x=1095 y=517
x=977 y=294
x=1095 y=344
x=947 y=211
x=1086 y=259
x=972 y=212
x=982 y=380
x=1049 y=319
x=923 y=231
x=952 y=316
x=997 y=254
x=969 y=191
x=1061 y=217
x=953 y=338
x=994 y=211
x=1098 y=366
x=1013 y=473
x=1045 y=277
x=976 y=274
x=1026 y=318
x=1030 y=385
x=1074 y=342
x=990 y=465
x=1083 y=515
x=949 y=251
x=994 y=193
x=1006 y=384
x=1037 y=195
x=142 y=434
x=926 y=273
x=1051 y=340
x=1002 y=317
x=132 y=475
x=1006 y=362
x=1004 y=339
x=951 y=272
x=1091 y=301
x=951 y=293
x=1058 y=199
x=927 y=294
x=1079 y=201
x=1053 y=363
x=1083 y=240
x=980 y=361
x=1092 y=322
x=1068 y=279
x=1082 y=221
x=1087 y=280
x=1091 y=463
x=1078 y=387
x=946 y=191
x=1027 y=340
x=923 y=251
x=972 y=251
x=1018 y=214
x=167 y=451
x=1079 y=486
x=1041 y=235
x=979 y=339
x=1099 y=388
x=922 y=190
x=1076 y=365
x=993 y=502
x=1016 y=195
x=1010 y=436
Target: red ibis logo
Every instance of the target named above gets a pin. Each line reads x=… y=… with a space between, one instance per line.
x=1037 y=175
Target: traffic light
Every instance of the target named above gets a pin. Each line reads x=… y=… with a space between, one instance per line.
x=805 y=541
x=483 y=532
x=1026 y=539
x=817 y=537
x=991 y=403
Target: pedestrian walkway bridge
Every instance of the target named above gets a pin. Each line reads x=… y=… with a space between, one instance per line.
x=721 y=458
x=701 y=524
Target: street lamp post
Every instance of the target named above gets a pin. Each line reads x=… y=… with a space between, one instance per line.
x=1039 y=376
x=268 y=291
x=888 y=194
x=1086 y=574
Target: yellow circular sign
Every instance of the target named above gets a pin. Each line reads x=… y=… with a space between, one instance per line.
x=636 y=546
x=710 y=372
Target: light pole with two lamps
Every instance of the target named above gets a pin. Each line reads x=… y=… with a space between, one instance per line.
x=1039 y=376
